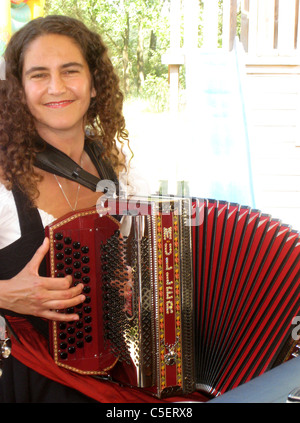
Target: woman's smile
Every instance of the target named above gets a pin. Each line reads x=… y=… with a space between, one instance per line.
x=59 y=104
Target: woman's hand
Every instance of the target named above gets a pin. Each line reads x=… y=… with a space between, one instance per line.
x=29 y=293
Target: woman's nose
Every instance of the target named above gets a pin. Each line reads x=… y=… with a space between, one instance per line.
x=56 y=85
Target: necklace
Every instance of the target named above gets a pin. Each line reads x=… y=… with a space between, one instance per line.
x=64 y=194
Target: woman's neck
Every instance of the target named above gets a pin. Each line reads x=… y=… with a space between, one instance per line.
x=72 y=144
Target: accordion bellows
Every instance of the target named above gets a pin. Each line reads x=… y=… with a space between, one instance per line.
x=181 y=294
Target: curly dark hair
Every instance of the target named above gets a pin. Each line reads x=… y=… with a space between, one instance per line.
x=105 y=122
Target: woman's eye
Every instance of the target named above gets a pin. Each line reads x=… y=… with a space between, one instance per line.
x=38 y=76
x=70 y=71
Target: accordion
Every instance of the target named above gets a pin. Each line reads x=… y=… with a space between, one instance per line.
x=182 y=295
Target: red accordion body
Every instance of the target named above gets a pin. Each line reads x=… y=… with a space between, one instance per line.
x=182 y=295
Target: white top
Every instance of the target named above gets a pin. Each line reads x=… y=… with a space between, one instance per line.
x=9 y=222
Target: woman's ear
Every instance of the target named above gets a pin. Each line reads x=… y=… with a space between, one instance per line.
x=93 y=92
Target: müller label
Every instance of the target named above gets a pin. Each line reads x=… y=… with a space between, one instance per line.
x=170 y=354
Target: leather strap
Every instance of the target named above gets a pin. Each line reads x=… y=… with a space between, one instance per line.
x=55 y=161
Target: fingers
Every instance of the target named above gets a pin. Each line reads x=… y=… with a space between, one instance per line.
x=66 y=309
x=61 y=297
x=32 y=294
x=60 y=304
x=66 y=297
x=57 y=293
x=60 y=284
x=59 y=317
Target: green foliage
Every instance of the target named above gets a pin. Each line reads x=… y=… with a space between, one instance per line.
x=136 y=33
x=156 y=92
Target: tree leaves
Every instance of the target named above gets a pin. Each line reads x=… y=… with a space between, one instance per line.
x=128 y=27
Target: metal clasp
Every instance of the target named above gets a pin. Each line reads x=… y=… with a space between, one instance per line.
x=297 y=352
x=171 y=356
x=5 y=350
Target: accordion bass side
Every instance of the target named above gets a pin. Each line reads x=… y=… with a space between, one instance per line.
x=182 y=295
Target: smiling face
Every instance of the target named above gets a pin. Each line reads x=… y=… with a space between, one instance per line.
x=57 y=85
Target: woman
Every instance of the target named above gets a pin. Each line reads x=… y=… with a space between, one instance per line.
x=60 y=89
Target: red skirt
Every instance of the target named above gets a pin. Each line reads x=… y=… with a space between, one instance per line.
x=32 y=351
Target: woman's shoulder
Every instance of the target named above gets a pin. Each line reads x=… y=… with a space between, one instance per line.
x=4 y=191
x=6 y=196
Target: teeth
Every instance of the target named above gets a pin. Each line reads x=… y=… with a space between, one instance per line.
x=58 y=103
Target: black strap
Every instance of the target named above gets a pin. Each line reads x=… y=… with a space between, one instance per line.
x=55 y=161
x=106 y=172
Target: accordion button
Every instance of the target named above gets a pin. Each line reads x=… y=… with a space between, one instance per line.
x=60 y=266
x=71 y=339
x=71 y=350
x=67 y=240
x=79 y=334
x=87 y=309
x=63 y=355
x=62 y=336
x=85 y=269
x=63 y=345
x=76 y=255
x=86 y=289
x=86 y=279
x=59 y=256
x=69 y=270
x=88 y=338
x=70 y=310
x=59 y=246
x=79 y=344
x=85 y=249
x=58 y=236
x=88 y=329
x=88 y=319
x=76 y=264
x=60 y=275
x=68 y=251
x=71 y=330
x=76 y=245
x=77 y=275
x=85 y=259
x=87 y=300
x=79 y=314
x=79 y=324
x=62 y=325
x=68 y=260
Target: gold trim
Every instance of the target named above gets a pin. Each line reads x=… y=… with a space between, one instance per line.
x=177 y=300
x=88 y=372
x=52 y=227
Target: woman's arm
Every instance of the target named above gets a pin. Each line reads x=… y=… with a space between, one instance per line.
x=30 y=294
